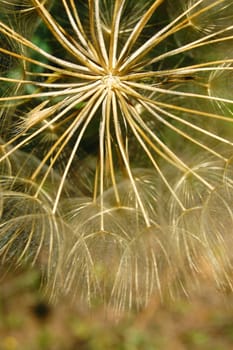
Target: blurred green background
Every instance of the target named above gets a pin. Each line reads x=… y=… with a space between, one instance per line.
x=28 y=321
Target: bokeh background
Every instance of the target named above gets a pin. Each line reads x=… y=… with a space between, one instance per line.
x=29 y=321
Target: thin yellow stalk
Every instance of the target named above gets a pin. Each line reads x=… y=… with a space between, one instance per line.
x=125 y=159
x=201 y=130
x=46 y=85
x=57 y=31
x=164 y=34
x=72 y=103
x=178 y=93
x=80 y=116
x=137 y=30
x=83 y=37
x=109 y=156
x=27 y=43
x=101 y=169
x=182 y=133
x=98 y=98
x=88 y=48
x=100 y=38
x=119 y=4
x=126 y=89
x=178 y=72
x=68 y=92
x=204 y=41
x=179 y=163
x=140 y=136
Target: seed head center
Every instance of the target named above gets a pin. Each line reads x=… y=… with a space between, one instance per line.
x=110 y=81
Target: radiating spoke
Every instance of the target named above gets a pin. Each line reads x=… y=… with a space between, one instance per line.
x=97 y=98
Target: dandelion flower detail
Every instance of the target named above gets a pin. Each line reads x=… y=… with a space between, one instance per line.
x=107 y=104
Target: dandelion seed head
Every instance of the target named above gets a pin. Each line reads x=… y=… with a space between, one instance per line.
x=105 y=107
